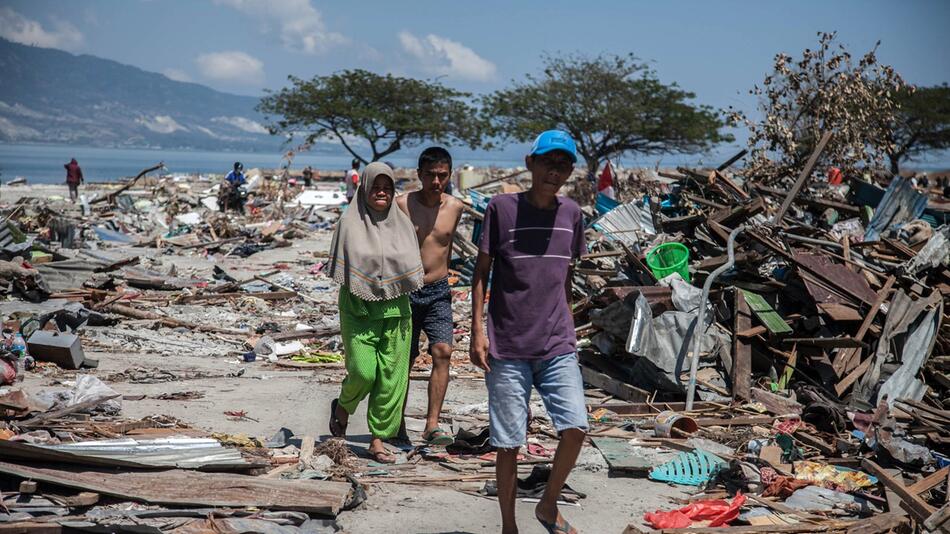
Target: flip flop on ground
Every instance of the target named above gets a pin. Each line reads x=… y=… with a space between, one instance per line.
x=559 y=526
x=438 y=437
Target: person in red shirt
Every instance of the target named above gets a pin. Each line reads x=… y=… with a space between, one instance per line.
x=73 y=178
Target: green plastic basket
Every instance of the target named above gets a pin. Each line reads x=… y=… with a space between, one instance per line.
x=669 y=258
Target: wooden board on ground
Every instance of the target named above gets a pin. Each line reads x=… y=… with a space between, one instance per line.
x=622 y=457
x=177 y=487
x=615 y=387
x=769 y=317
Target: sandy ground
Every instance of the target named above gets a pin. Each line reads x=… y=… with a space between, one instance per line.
x=299 y=400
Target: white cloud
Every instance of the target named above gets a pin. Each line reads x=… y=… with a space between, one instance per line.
x=442 y=56
x=176 y=75
x=243 y=124
x=231 y=66
x=16 y=27
x=300 y=25
x=162 y=124
x=207 y=132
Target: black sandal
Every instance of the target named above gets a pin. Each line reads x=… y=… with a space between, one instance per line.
x=337 y=429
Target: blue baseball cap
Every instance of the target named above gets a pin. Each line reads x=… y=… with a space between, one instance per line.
x=554 y=140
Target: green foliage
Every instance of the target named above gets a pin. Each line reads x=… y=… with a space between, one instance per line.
x=388 y=112
x=611 y=105
x=923 y=123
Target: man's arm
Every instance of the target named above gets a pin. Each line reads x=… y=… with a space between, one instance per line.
x=478 y=350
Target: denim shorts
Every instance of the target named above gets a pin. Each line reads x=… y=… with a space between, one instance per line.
x=432 y=314
x=558 y=381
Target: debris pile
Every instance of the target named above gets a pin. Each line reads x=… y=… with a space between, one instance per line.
x=793 y=331
x=776 y=348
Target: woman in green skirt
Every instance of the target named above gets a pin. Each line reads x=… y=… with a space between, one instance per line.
x=375 y=259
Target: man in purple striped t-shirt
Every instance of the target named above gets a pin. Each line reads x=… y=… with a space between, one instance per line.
x=529 y=241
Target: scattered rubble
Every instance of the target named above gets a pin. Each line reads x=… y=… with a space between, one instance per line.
x=813 y=399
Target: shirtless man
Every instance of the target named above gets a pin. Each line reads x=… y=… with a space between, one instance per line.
x=435 y=216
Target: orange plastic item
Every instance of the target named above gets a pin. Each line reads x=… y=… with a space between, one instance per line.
x=718 y=511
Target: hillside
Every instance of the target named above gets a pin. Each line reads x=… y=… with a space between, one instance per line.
x=52 y=96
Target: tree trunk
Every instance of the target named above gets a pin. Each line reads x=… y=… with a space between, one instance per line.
x=593 y=165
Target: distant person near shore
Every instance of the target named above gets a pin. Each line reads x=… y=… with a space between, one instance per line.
x=307 y=176
x=352 y=180
x=73 y=178
x=229 y=196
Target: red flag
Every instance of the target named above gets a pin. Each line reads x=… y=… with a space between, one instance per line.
x=605 y=185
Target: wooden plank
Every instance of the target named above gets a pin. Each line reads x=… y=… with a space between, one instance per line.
x=177 y=487
x=769 y=317
x=776 y=404
x=802 y=178
x=879 y=524
x=929 y=482
x=307 y=445
x=844 y=362
x=30 y=527
x=914 y=504
x=893 y=501
x=647 y=408
x=853 y=376
x=938 y=520
x=55 y=414
x=816 y=442
x=826 y=342
x=615 y=387
x=742 y=351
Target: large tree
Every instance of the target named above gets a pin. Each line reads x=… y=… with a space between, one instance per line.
x=922 y=125
x=611 y=105
x=387 y=112
x=824 y=90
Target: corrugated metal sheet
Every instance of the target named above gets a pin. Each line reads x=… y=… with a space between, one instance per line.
x=628 y=223
x=186 y=453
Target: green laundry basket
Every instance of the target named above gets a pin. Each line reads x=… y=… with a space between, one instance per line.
x=669 y=258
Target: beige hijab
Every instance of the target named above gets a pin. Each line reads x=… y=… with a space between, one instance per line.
x=375 y=255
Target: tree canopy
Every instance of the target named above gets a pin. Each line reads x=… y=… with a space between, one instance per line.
x=387 y=112
x=611 y=105
x=823 y=90
x=922 y=123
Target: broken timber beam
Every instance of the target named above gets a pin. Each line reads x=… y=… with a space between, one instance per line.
x=844 y=361
x=177 y=487
x=911 y=501
x=802 y=178
x=615 y=387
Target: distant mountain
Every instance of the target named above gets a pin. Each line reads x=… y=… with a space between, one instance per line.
x=52 y=96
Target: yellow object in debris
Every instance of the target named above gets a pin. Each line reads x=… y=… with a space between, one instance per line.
x=849 y=479
x=318 y=357
x=237 y=440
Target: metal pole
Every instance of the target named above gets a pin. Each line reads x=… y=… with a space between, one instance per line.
x=700 y=327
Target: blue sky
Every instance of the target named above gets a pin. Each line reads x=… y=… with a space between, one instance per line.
x=716 y=49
